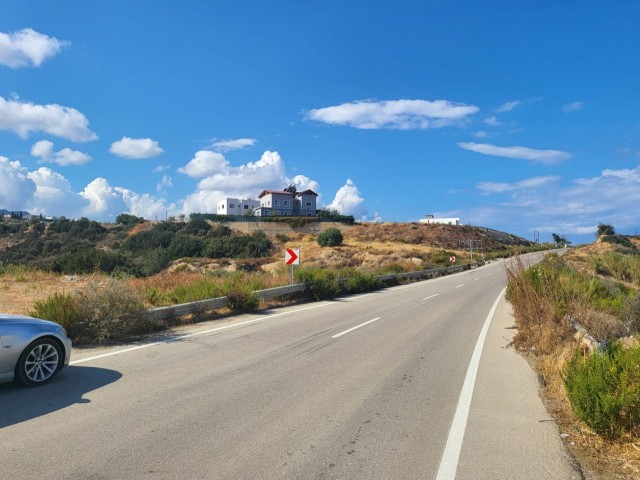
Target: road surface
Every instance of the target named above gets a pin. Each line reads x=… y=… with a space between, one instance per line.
x=364 y=387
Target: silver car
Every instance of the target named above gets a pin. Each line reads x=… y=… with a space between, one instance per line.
x=32 y=351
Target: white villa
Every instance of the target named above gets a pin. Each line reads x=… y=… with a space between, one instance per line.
x=236 y=206
x=272 y=203
x=446 y=221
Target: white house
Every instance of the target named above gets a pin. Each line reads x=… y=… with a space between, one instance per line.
x=236 y=206
x=446 y=221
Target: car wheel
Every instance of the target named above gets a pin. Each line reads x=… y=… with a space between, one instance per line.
x=39 y=362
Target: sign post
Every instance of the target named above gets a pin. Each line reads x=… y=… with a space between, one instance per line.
x=292 y=257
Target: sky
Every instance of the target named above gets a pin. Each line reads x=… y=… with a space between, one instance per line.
x=519 y=116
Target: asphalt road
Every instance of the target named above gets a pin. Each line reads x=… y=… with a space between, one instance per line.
x=364 y=387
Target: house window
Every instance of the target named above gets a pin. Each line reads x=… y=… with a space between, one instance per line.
x=231 y=205
x=276 y=202
x=308 y=204
x=246 y=207
x=287 y=203
x=269 y=202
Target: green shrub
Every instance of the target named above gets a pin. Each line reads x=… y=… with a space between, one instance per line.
x=61 y=308
x=331 y=237
x=323 y=284
x=360 y=282
x=240 y=294
x=604 y=389
x=619 y=240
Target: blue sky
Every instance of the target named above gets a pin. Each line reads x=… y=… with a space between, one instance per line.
x=517 y=116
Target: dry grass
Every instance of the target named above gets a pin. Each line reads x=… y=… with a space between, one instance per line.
x=548 y=343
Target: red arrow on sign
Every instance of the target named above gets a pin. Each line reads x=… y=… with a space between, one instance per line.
x=452 y=259
x=291 y=257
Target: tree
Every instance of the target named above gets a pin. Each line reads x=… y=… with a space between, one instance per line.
x=291 y=189
x=605 y=229
x=559 y=240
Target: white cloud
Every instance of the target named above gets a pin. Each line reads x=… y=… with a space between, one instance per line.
x=542 y=203
x=27 y=47
x=44 y=151
x=394 y=114
x=349 y=200
x=492 y=121
x=572 y=107
x=165 y=183
x=529 y=183
x=16 y=188
x=204 y=164
x=547 y=157
x=161 y=168
x=25 y=117
x=244 y=181
x=480 y=134
x=136 y=148
x=233 y=144
x=508 y=106
x=107 y=202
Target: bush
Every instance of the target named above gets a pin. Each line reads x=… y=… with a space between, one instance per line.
x=323 y=284
x=240 y=294
x=619 y=240
x=360 y=282
x=604 y=389
x=331 y=237
x=61 y=308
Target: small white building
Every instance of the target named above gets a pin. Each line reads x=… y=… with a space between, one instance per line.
x=237 y=206
x=445 y=221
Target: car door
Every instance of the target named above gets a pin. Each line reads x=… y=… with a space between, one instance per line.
x=8 y=349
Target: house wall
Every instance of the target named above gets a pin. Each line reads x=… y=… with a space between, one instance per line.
x=306 y=205
x=280 y=204
x=236 y=206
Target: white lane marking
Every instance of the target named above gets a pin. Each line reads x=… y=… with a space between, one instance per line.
x=489 y=274
x=461 y=285
x=451 y=455
x=476 y=279
x=356 y=327
x=431 y=296
x=196 y=334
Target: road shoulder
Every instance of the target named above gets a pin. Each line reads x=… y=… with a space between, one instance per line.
x=509 y=433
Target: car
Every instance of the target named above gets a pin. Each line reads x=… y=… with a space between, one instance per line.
x=32 y=351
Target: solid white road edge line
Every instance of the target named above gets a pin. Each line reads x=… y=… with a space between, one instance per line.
x=356 y=327
x=461 y=285
x=196 y=334
x=431 y=296
x=451 y=455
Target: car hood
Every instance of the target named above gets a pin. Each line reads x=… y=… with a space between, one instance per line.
x=7 y=318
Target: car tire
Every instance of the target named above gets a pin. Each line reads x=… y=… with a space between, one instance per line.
x=39 y=362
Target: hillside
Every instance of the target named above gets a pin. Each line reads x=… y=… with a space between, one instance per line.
x=62 y=255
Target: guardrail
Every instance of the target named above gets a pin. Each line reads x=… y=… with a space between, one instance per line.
x=201 y=306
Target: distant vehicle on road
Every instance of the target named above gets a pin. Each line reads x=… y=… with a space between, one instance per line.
x=32 y=351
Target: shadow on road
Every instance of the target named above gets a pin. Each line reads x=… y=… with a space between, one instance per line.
x=19 y=404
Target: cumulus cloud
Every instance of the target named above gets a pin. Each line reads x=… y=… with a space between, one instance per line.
x=204 y=164
x=16 y=188
x=27 y=47
x=394 y=114
x=219 y=179
x=233 y=144
x=25 y=117
x=349 y=200
x=547 y=157
x=48 y=192
x=44 y=151
x=136 y=148
x=572 y=107
x=107 y=202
